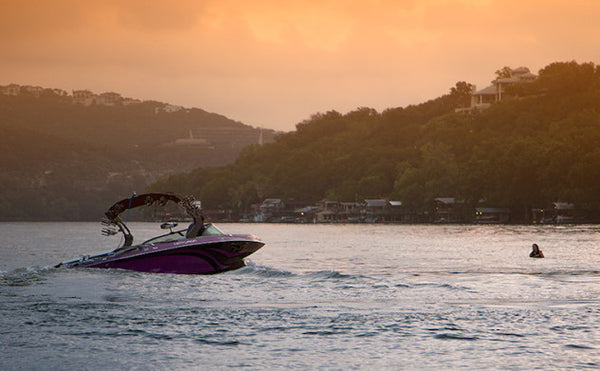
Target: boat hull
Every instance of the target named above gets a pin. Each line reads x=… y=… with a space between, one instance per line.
x=204 y=255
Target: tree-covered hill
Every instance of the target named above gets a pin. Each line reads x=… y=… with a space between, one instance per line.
x=60 y=160
x=537 y=146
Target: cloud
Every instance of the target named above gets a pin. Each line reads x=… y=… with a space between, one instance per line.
x=156 y=16
x=274 y=63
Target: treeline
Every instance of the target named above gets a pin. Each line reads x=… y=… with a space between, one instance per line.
x=539 y=145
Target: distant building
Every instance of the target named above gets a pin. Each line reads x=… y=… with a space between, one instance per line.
x=270 y=207
x=12 y=89
x=561 y=212
x=490 y=215
x=191 y=141
x=481 y=99
x=36 y=91
x=328 y=211
x=84 y=97
x=59 y=92
x=130 y=101
x=445 y=210
x=338 y=212
x=168 y=108
x=108 y=99
x=375 y=210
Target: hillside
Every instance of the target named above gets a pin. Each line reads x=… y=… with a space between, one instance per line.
x=537 y=146
x=64 y=160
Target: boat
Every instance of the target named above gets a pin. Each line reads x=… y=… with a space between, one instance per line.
x=201 y=248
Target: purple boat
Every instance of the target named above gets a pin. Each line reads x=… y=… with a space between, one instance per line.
x=199 y=249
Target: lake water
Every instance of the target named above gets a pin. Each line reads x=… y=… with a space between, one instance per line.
x=315 y=296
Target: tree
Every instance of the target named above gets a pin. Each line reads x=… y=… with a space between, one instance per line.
x=504 y=73
x=567 y=77
x=462 y=93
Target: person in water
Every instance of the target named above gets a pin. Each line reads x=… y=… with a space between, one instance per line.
x=536 y=252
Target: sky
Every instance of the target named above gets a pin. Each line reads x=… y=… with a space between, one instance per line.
x=274 y=63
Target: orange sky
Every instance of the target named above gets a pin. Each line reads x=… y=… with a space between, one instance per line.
x=273 y=63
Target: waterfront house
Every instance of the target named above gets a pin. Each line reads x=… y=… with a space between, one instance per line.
x=488 y=215
x=271 y=207
x=338 y=212
x=375 y=210
x=446 y=210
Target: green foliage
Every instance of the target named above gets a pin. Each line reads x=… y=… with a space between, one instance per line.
x=524 y=152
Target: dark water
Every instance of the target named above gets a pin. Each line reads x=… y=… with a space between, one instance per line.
x=316 y=296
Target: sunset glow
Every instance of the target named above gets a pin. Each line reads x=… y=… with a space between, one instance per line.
x=273 y=64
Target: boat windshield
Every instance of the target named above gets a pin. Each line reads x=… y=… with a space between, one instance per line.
x=174 y=236
x=209 y=230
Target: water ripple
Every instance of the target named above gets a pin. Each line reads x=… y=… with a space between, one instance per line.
x=311 y=299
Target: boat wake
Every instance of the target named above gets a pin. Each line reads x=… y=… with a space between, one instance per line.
x=260 y=270
x=335 y=275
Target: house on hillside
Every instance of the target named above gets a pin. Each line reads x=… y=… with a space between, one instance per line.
x=518 y=75
x=130 y=101
x=84 y=97
x=481 y=99
x=190 y=141
x=12 y=89
x=109 y=99
x=168 y=108
x=36 y=91
x=58 y=92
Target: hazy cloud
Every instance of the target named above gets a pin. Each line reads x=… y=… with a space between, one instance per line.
x=274 y=63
